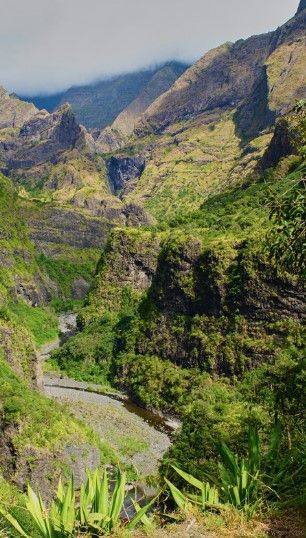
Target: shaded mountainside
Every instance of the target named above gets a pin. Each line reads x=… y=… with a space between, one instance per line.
x=228 y=76
x=160 y=82
x=97 y=105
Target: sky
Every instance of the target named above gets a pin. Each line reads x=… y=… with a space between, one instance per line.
x=49 y=45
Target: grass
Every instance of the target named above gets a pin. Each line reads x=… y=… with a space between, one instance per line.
x=64 y=271
x=129 y=445
x=191 y=162
x=44 y=423
x=40 y=321
x=240 y=213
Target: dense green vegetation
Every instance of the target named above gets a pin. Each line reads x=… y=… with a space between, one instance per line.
x=40 y=321
x=208 y=325
x=22 y=405
x=65 y=271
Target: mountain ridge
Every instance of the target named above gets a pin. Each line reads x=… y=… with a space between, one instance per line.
x=228 y=73
x=98 y=104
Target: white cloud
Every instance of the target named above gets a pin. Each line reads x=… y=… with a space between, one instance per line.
x=49 y=45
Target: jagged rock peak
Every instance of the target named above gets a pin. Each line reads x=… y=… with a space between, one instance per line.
x=13 y=111
x=65 y=107
x=302 y=5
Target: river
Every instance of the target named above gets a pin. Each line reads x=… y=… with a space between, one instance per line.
x=140 y=437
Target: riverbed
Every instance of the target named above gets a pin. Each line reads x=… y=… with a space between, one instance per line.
x=139 y=437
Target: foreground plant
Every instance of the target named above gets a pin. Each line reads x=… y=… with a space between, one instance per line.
x=97 y=513
x=236 y=485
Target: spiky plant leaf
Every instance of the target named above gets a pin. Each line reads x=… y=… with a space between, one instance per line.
x=179 y=498
x=117 y=498
x=189 y=478
x=141 y=516
x=14 y=523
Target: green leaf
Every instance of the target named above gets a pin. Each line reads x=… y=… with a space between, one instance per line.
x=117 y=498
x=141 y=515
x=12 y=521
x=177 y=495
x=189 y=478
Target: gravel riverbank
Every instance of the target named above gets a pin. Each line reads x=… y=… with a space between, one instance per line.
x=131 y=434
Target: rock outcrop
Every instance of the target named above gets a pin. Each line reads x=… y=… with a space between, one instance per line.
x=41 y=139
x=13 y=111
x=288 y=138
x=122 y=170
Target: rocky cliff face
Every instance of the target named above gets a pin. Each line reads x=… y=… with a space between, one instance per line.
x=57 y=159
x=41 y=139
x=288 y=138
x=160 y=82
x=229 y=76
x=14 y=112
x=221 y=309
x=122 y=170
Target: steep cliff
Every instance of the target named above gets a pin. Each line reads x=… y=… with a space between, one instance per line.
x=228 y=76
x=160 y=82
x=204 y=293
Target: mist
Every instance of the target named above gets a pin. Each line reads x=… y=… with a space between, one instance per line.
x=49 y=45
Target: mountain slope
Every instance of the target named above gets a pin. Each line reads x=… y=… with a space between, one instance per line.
x=97 y=105
x=13 y=111
x=230 y=74
x=203 y=292
x=160 y=82
x=209 y=130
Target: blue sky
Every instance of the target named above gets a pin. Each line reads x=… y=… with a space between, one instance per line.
x=49 y=45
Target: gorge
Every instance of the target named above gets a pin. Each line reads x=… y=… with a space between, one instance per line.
x=152 y=299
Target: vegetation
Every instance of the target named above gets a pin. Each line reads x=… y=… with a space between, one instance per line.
x=199 y=316
x=287 y=237
x=21 y=405
x=40 y=321
x=64 y=270
x=97 y=513
x=237 y=483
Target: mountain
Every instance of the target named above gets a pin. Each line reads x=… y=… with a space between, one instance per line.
x=209 y=130
x=259 y=76
x=160 y=82
x=46 y=102
x=97 y=105
x=13 y=111
x=173 y=233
